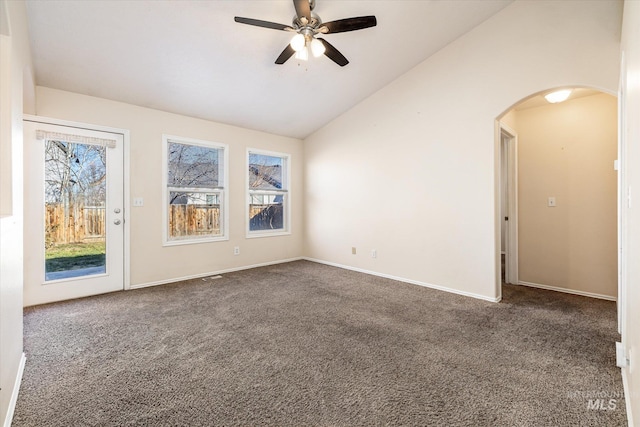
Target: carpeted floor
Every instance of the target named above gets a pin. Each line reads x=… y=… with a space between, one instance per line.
x=308 y=344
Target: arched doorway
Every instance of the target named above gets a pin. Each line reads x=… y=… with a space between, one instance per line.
x=561 y=193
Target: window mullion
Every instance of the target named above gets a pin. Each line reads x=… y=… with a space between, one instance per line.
x=196 y=189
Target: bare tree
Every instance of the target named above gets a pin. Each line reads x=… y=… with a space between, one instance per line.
x=75 y=175
x=265 y=172
x=191 y=167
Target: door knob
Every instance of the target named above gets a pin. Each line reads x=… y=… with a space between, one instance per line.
x=117 y=222
x=116 y=210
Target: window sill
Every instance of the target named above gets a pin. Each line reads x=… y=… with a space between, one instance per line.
x=260 y=234
x=194 y=241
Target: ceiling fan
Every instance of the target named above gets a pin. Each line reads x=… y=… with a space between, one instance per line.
x=308 y=26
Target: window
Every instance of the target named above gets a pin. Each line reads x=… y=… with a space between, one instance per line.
x=194 y=191
x=268 y=193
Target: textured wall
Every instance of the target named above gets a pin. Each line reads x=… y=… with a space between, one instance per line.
x=151 y=261
x=567 y=151
x=420 y=155
x=14 y=85
x=631 y=209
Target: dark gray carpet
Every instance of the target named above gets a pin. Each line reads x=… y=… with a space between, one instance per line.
x=307 y=344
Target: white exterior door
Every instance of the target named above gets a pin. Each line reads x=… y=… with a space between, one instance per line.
x=74 y=212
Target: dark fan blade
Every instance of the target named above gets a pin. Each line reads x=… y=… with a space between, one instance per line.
x=302 y=9
x=285 y=55
x=349 y=24
x=264 y=24
x=333 y=53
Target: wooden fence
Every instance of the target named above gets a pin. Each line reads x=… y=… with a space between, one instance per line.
x=193 y=220
x=74 y=224
x=256 y=209
x=88 y=222
x=199 y=220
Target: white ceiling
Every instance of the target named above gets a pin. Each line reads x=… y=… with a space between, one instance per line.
x=540 y=101
x=191 y=58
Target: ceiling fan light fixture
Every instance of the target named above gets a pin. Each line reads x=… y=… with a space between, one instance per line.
x=558 y=96
x=317 y=48
x=307 y=25
x=302 y=55
x=298 y=42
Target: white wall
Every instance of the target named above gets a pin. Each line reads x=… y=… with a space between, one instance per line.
x=567 y=151
x=150 y=261
x=631 y=209
x=411 y=171
x=16 y=62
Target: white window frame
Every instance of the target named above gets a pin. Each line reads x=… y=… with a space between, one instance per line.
x=222 y=191
x=285 y=193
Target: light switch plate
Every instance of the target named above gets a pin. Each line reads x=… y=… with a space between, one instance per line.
x=138 y=201
x=552 y=202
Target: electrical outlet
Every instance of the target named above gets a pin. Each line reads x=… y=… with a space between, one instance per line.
x=374 y=253
x=236 y=250
x=138 y=201
x=353 y=250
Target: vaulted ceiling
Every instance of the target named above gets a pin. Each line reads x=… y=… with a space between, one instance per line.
x=191 y=58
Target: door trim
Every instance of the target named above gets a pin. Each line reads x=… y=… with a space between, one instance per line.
x=126 y=178
x=512 y=224
x=623 y=202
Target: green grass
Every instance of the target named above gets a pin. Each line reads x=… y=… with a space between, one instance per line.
x=72 y=256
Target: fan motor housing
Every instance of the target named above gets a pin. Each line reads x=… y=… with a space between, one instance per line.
x=313 y=24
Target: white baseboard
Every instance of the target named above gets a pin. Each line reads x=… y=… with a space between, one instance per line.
x=213 y=273
x=346 y=267
x=568 y=291
x=14 y=394
x=627 y=395
x=402 y=279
